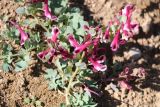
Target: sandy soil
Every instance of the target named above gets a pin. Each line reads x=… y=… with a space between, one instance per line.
x=15 y=87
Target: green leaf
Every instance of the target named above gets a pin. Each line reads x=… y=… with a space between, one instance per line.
x=113 y=28
x=26 y=22
x=82 y=23
x=18 y=0
x=50 y=73
x=28 y=44
x=27 y=101
x=6 y=67
x=81 y=65
x=86 y=97
x=80 y=31
x=27 y=58
x=123 y=18
x=92 y=32
x=38 y=103
x=64 y=3
x=37 y=37
x=21 y=65
x=54 y=79
x=63 y=105
x=75 y=20
x=68 y=30
x=48 y=34
x=6 y=49
x=20 y=10
x=75 y=10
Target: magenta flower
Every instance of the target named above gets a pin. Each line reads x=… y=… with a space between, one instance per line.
x=65 y=54
x=96 y=62
x=55 y=33
x=78 y=47
x=86 y=27
x=42 y=54
x=130 y=29
x=127 y=11
x=96 y=42
x=101 y=59
x=47 y=12
x=82 y=47
x=115 y=43
x=73 y=42
x=23 y=35
x=47 y=55
x=106 y=34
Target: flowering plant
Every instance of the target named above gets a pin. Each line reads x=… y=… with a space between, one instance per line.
x=58 y=35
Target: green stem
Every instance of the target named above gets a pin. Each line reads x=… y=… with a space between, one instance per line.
x=39 y=22
x=67 y=91
x=59 y=69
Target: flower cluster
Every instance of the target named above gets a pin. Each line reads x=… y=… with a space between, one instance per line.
x=125 y=27
x=128 y=75
x=86 y=46
x=82 y=49
x=120 y=29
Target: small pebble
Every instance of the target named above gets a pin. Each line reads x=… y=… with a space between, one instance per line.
x=134 y=53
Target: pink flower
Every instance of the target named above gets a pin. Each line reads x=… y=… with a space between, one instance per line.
x=127 y=11
x=55 y=33
x=135 y=28
x=106 y=34
x=47 y=55
x=47 y=12
x=82 y=47
x=87 y=37
x=96 y=42
x=73 y=42
x=89 y=91
x=78 y=47
x=130 y=29
x=125 y=85
x=96 y=62
x=23 y=35
x=115 y=43
x=65 y=54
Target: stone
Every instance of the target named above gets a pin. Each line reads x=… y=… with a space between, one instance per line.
x=134 y=53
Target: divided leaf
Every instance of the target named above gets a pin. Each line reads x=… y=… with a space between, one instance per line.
x=20 y=10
